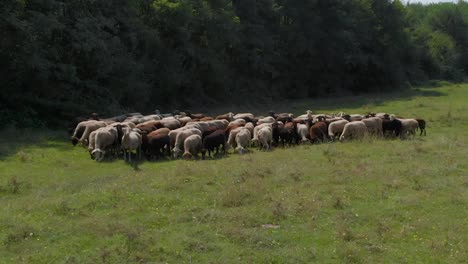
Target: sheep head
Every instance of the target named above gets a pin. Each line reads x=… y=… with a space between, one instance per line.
x=74 y=140
x=176 y=152
x=187 y=156
x=98 y=154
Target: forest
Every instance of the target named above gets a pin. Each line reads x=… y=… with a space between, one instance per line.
x=61 y=59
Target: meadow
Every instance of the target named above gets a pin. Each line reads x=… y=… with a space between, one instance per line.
x=370 y=201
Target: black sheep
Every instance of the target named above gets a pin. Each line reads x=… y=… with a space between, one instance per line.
x=391 y=127
x=212 y=142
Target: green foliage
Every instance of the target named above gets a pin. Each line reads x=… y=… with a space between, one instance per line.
x=62 y=59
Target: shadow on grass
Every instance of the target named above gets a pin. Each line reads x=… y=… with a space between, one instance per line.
x=299 y=106
x=13 y=140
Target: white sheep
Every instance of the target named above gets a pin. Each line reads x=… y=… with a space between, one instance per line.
x=237 y=122
x=86 y=127
x=243 y=116
x=374 y=125
x=265 y=137
x=181 y=136
x=355 y=117
x=266 y=120
x=336 y=128
x=256 y=129
x=381 y=115
x=302 y=132
x=183 y=119
x=105 y=137
x=192 y=146
x=92 y=141
x=220 y=124
x=131 y=140
x=173 y=134
x=243 y=140
x=200 y=125
x=148 y=118
x=408 y=127
x=354 y=130
x=231 y=142
x=308 y=115
x=250 y=126
x=170 y=122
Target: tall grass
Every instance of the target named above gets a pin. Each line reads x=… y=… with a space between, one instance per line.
x=374 y=201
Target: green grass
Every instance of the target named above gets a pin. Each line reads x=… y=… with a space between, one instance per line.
x=376 y=201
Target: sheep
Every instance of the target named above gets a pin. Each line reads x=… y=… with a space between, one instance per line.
x=209 y=131
x=173 y=135
x=154 y=142
x=408 y=127
x=148 y=118
x=194 y=116
x=213 y=141
x=228 y=130
x=184 y=134
x=266 y=120
x=336 y=128
x=318 y=132
x=285 y=117
x=184 y=120
x=192 y=145
x=302 y=132
x=84 y=129
x=265 y=137
x=238 y=122
x=150 y=126
x=170 y=122
x=243 y=116
x=391 y=127
x=220 y=124
x=354 y=130
x=257 y=128
x=131 y=140
x=382 y=115
x=232 y=137
x=250 y=126
x=422 y=126
x=228 y=117
x=354 y=117
x=124 y=124
x=104 y=138
x=202 y=126
x=288 y=134
x=92 y=142
x=306 y=116
x=243 y=140
x=374 y=126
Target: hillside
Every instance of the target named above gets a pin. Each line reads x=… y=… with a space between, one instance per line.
x=375 y=201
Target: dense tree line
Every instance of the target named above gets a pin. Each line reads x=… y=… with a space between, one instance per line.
x=60 y=59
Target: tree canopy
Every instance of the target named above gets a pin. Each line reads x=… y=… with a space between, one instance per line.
x=60 y=59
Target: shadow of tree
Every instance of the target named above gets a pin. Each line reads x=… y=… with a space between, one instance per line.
x=12 y=140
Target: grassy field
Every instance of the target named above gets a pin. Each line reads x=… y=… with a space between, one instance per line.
x=376 y=201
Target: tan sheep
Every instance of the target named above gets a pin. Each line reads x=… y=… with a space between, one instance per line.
x=192 y=146
x=354 y=130
x=374 y=126
x=336 y=128
x=243 y=140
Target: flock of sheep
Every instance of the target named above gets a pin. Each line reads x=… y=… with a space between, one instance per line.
x=185 y=134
